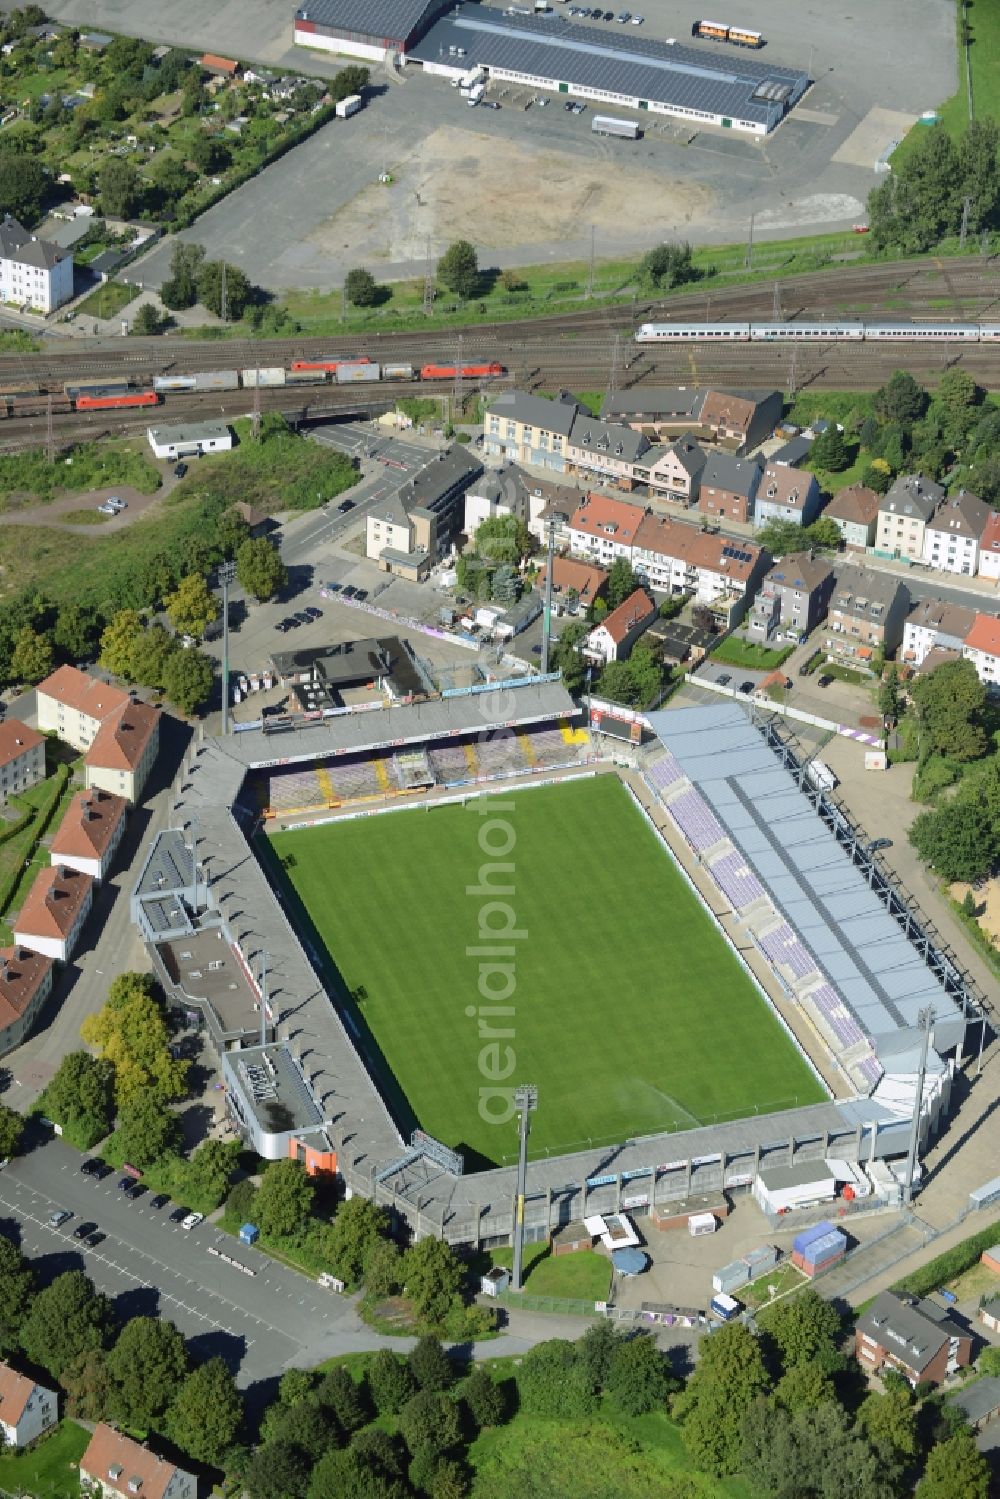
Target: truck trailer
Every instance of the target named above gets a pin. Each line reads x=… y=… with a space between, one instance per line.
x=347 y=107
x=606 y=125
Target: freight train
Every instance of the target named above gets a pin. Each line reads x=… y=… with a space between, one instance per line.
x=833 y=332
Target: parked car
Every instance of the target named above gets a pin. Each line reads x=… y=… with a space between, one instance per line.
x=346 y=505
x=192 y=1220
x=349 y=591
x=361 y=594
x=824 y=681
x=313 y=612
x=136 y=1190
x=59 y=1217
x=160 y=1200
x=725 y=679
x=180 y=469
x=92 y=1240
x=83 y=1229
x=178 y=1215
x=88 y=1167
x=125 y=1182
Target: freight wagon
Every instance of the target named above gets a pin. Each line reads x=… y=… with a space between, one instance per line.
x=272 y=375
x=397 y=372
x=217 y=380
x=165 y=384
x=360 y=369
x=329 y=365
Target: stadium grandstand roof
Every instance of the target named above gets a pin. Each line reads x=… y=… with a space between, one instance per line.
x=808 y=874
x=619 y=63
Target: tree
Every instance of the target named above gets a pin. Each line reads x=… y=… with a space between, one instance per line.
x=877 y=476
x=17 y=1286
x=638 y=1380
x=118 y=641
x=283 y=1198
x=260 y=570
x=147 y=1364
x=554 y=1382
x=595 y=1350
x=180 y=289
x=217 y=276
x=75 y=634
x=391 y=1382
x=484 y=1398
x=231 y=531
x=431 y=1279
x=188 y=677
x=206 y=1413
x=988 y=1361
x=505 y=587
x=804 y=1386
x=430 y=1420
x=242 y=1201
x=66 y=1319
x=350 y=80
x=80 y=1095
x=503 y=538
x=361 y=288
x=667 y=266
x=621 y=582
x=381 y=1453
x=829 y=451
x=31 y=659
x=727 y=1380
x=278 y=1470
x=89 y=1387
x=308 y=1426
x=340 y=1473
x=921 y=201
x=889 y=1422
x=458 y=268
x=358 y=1225
x=450 y=1480
x=207 y=1173
x=23 y=185
x=120 y=188
x=147 y=1132
x=11 y=1130
x=957 y=400
x=130 y=1031
x=811 y=1455
x=960 y=840
x=193 y=607
x=950 y=701
x=209 y=153
x=430 y=1365
x=823 y=534
x=889 y=695
x=977 y=161
x=900 y=400
x=346 y=1398
x=803 y=1328
x=383 y=1268
x=955 y=1469
x=147 y=321
x=151 y=651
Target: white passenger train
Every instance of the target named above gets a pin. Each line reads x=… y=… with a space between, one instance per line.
x=836 y=332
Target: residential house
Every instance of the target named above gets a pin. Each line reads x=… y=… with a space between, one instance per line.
x=903 y=514
x=791 y=453
x=918 y=1339
x=741 y=419
x=982 y=648
x=54 y=911
x=73 y=704
x=124 y=751
x=523 y=428
x=867 y=614
x=27 y=1409
x=90 y=832
x=115 y=1465
x=504 y=491
x=33 y=272
x=674 y=472
x=408 y=532
x=22 y=758
x=989 y=548
x=611 y=450
x=258 y=522
x=729 y=487
x=614 y=637
x=189 y=439
x=25 y=985
x=854 y=511
x=604 y=528
x=953 y=534
x=932 y=625
x=219 y=67
x=989 y=1314
x=787 y=494
x=674 y=557
x=575 y=585
x=793 y=597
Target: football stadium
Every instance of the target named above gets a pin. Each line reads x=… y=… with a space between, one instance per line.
x=386 y=921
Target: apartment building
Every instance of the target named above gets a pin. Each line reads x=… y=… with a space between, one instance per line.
x=90 y=833
x=854 y=511
x=785 y=493
x=54 y=912
x=27 y=1409
x=673 y=473
x=953 y=534
x=116 y=1467
x=33 y=272
x=918 y=1339
x=867 y=614
x=523 y=428
x=793 y=598
x=614 y=637
x=603 y=528
x=989 y=548
x=610 y=450
x=673 y=557
x=740 y=419
x=729 y=487
x=982 y=648
x=409 y=531
x=932 y=625
x=22 y=758
x=903 y=515
x=25 y=985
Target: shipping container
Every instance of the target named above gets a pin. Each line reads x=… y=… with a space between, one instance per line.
x=167 y=383
x=731 y=1276
x=397 y=372
x=305 y=377
x=35 y=405
x=349 y=372
x=217 y=380
x=805 y=1238
x=759 y=1260
x=347 y=107
x=701 y=1223
x=829 y=1246
x=606 y=125
x=273 y=375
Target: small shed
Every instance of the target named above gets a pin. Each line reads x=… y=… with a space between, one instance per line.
x=989 y=1314
x=979 y=1402
x=676 y=1215
x=495 y=1281
x=701 y=1223
x=572 y=1237
x=991 y=1258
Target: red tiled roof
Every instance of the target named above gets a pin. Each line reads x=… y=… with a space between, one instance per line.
x=720 y=554
x=89 y=825
x=219 y=64
x=782 y=485
x=857 y=504
x=621 y=621
x=567 y=574
x=15 y=1392
x=22 y=972
x=598 y=512
x=111 y=1452
x=991 y=535
x=53 y=902
x=985 y=635
x=119 y=742
x=83 y=693
x=16 y=739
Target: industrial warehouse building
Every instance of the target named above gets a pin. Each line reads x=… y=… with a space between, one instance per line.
x=372 y=29
x=631 y=72
x=547 y=52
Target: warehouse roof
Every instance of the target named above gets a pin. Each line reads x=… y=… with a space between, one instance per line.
x=636 y=67
x=386 y=18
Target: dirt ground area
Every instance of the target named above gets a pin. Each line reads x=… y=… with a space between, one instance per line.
x=987 y=902
x=447 y=188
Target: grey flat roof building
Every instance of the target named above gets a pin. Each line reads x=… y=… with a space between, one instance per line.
x=634 y=71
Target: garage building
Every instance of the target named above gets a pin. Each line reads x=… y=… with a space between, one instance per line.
x=620 y=69
x=189 y=439
x=372 y=29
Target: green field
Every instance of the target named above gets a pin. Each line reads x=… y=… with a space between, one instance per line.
x=631 y=1014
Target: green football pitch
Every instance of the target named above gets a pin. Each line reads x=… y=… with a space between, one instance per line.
x=631 y=1014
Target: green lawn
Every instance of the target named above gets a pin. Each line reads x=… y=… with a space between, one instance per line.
x=631 y=1014
x=734 y=652
x=48 y=1471
x=583 y=1276
x=108 y=299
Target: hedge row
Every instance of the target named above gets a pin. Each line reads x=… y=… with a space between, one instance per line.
x=950 y=1264
x=9 y=884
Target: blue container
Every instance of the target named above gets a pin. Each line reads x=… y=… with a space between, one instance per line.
x=806 y=1237
x=828 y=1247
x=249 y=1233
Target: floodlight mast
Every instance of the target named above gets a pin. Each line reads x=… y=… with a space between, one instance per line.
x=525 y=1099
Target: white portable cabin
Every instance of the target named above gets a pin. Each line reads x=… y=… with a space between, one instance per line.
x=702 y=1223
